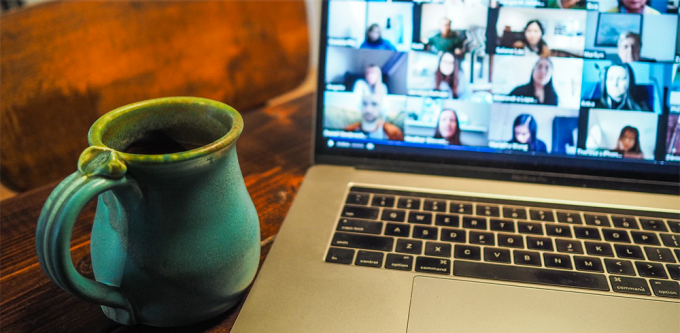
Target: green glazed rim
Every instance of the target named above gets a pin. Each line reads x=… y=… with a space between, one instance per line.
x=107 y=123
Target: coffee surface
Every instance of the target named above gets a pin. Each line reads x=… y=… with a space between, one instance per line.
x=159 y=143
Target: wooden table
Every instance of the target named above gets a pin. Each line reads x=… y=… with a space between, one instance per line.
x=274 y=153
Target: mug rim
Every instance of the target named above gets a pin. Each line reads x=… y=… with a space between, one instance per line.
x=97 y=129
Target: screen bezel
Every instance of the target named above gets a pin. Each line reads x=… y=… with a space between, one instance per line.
x=558 y=170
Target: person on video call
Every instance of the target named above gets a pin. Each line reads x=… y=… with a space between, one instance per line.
x=372 y=123
x=374 y=40
x=447 y=127
x=448 y=76
x=628 y=144
x=524 y=131
x=532 y=40
x=567 y=4
x=620 y=91
x=634 y=7
x=446 y=40
x=629 y=46
x=540 y=86
x=372 y=82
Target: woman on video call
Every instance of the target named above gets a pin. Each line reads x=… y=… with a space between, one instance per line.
x=374 y=40
x=628 y=144
x=532 y=41
x=540 y=86
x=524 y=131
x=620 y=91
x=372 y=83
x=449 y=76
x=448 y=127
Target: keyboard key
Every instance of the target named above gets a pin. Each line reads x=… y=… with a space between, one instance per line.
x=539 y=243
x=558 y=230
x=519 y=213
x=369 y=258
x=651 y=269
x=587 y=233
x=357 y=198
x=453 y=235
x=359 y=241
x=677 y=253
x=466 y=252
x=419 y=217
x=360 y=226
x=340 y=256
x=568 y=246
x=488 y=210
x=628 y=251
x=425 y=232
x=545 y=215
x=674 y=226
x=409 y=246
x=399 y=230
x=556 y=261
x=460 y=208
x=531 y=275
x=438 y=249
x=435 y=205
x=673 y=271
x=360 y=212
x=502 y=225
x=510 y=241
x=447 y=220
x=599 y=249
x=433 y=265
x=598 y=220
x=484 y=238
x=527 y=258
x=408 y=203
x=645 y=238
x=653 y=225
x=627 y=222
x=665 y=288
x=497 y=255
x=530 y=228
x=622 y=267
x=569 y=217
x=671 y=240
x=474 y=222
x=393 y=215
x=612 y=235
x=399 y=261
x=629 y=285
x=382 y=201
x=588 y=264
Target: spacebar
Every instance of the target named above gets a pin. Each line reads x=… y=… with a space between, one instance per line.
x=530 y=275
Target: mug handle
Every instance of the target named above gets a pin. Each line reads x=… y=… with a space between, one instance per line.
x=99 y=170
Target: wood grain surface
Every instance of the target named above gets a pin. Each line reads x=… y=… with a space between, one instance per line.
x=274 y=153
x=65 y=63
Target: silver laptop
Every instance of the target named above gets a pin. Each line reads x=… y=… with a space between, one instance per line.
x=503 y=166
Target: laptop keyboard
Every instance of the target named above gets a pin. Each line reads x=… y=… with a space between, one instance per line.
x=621 y=251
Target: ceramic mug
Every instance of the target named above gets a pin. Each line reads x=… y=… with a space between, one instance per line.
x=176 y=237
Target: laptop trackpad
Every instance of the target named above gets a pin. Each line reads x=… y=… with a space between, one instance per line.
x=442 y=305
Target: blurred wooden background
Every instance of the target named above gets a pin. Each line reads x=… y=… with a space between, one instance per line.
x=65 y=63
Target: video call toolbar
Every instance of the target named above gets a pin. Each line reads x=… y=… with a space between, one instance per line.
x=591 y=79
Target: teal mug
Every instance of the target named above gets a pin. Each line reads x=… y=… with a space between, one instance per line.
x=176 y=238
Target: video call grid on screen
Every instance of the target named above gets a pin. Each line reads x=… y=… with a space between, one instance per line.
x=531 y=77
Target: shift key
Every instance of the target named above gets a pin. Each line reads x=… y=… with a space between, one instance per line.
x=356 y=241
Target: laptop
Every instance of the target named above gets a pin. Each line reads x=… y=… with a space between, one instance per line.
x=485 y=166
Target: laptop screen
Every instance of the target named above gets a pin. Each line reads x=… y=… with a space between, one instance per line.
x=575 y=86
